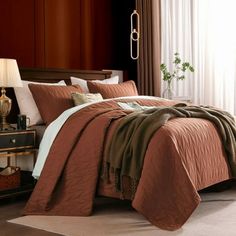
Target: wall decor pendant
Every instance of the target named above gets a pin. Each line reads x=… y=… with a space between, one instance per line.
x=134 y=35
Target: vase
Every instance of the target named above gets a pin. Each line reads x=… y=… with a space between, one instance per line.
x=168 y=92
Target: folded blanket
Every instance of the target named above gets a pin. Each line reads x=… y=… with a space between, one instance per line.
x=126 y=152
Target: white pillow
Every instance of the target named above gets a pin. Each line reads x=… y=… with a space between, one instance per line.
x=83 y=83
x=26 y=101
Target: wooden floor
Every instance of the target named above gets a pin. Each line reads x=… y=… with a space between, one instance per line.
x=10 y=209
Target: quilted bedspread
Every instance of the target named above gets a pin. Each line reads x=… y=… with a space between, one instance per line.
x=183 y=156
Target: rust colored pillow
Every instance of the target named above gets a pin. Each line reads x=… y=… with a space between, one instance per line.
x=125 y=89
x=53 y=100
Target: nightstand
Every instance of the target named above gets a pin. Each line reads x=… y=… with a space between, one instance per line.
x=14 y=143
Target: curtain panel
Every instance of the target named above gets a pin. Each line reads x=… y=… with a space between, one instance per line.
x=148 y=65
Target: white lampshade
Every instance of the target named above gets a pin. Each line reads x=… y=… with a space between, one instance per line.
x=9 y=73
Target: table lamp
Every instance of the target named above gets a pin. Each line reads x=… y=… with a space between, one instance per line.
x=9 y=77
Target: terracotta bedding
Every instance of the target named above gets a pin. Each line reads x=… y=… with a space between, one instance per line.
x=184 y=156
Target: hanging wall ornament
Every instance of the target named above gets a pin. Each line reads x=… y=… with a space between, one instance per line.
x=134 y=35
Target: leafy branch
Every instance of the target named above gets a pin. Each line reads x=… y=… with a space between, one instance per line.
x=179 y=69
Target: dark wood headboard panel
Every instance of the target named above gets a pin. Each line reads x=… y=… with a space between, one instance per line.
x=51 y=76
x=55 y=75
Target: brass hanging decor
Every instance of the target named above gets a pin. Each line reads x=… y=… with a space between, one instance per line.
x=134 y=35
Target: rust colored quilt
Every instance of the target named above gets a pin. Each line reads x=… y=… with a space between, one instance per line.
x=183 y=156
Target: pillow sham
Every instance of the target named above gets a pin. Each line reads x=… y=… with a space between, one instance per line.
x=53 y=100
x=26 y=101
x=81 y=98
x=124 y=89
x=83 y=83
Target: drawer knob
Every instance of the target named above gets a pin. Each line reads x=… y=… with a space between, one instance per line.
x=13 y=140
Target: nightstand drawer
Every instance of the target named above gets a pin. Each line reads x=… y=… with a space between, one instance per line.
x=17 y=140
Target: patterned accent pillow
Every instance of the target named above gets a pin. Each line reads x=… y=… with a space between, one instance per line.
x=125 y=89
x=81 y=98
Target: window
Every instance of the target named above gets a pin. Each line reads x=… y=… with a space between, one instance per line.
x=203 y=32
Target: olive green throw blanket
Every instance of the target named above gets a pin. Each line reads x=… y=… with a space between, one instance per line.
x=126 y=152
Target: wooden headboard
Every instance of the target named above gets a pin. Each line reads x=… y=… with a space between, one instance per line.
x=50 y=76
x=55 y=75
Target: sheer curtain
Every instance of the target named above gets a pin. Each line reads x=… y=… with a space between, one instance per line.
x=203 y=32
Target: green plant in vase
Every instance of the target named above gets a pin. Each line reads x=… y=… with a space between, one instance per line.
x=180 y=68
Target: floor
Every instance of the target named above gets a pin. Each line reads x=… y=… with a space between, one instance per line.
x=214 y=216
x=10 y=209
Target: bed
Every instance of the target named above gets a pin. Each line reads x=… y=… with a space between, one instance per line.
x=179 y=160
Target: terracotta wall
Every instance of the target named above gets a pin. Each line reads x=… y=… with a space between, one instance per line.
x=74 y=34
x=17 y=38
x=81 y=34
x=77 y=34
x=57 y=33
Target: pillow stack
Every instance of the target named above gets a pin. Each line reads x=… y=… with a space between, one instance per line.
x=83 y=83
x=44 y=102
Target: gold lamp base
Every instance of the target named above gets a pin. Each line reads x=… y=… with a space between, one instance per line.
x=5 y=108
